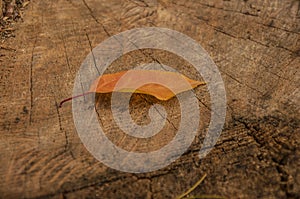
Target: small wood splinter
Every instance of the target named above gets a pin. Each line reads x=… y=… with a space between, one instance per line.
x=185 y=194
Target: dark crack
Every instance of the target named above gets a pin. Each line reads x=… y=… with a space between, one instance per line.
x=91 y=49
x=31 y=80
x=91 y=11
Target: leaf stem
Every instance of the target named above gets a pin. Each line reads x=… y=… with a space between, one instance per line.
x=71 y=98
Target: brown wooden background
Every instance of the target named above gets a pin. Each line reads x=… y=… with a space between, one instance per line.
x=254 y=43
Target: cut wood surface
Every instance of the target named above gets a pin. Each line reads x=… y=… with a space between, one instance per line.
x=254 y=43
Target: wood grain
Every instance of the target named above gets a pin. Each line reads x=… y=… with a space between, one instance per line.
x=255 y=44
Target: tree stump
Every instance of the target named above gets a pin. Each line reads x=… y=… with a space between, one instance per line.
x=255 y=45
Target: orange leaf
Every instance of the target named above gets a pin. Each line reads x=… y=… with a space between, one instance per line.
x=161 y=84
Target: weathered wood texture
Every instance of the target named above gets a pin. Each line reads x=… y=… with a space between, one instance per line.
x=256 y=47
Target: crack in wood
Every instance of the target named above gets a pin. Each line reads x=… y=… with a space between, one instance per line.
x=218 y=29
x=91 y=11
x=65 y=51
x=95 y=18
x=31 y=80
x=91 y=50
